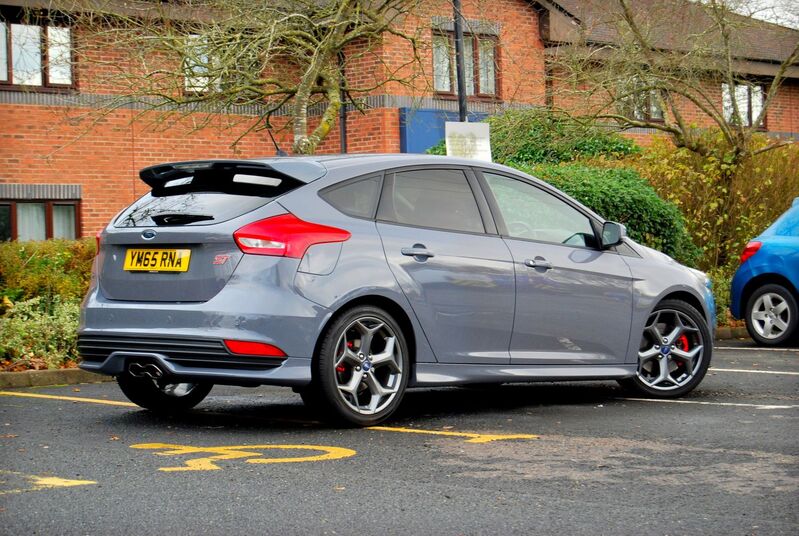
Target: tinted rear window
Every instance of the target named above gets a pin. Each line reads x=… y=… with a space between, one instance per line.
x=201 y=208
x=357 y=198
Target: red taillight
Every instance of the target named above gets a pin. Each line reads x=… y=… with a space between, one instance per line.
x=254 y=348
x=97 y=239
x=285 y=236
x=750 y=249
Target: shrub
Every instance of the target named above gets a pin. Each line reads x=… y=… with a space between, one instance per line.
x=539 y=135
x=622 y=195
x=722 y=213
x=47 y=269
x=40 y=333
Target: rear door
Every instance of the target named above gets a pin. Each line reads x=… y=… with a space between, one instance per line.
x=573 y=301
x=457 y=274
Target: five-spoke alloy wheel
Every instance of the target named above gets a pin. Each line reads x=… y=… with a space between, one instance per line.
x=771 y=315
x=674 y=353
x=362 y=367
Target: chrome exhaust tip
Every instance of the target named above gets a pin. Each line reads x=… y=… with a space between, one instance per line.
x=146 y=370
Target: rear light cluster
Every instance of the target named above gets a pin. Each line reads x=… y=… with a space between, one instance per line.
x=750 y=249
x=253 y=348
x=285 y=236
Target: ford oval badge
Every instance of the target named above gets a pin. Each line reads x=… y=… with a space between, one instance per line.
x=148 y=234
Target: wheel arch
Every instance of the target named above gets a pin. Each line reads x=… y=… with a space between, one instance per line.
x=764 y=279
x=390 y=306
x=687 y=297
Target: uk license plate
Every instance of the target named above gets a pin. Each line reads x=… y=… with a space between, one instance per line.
x=157 y=260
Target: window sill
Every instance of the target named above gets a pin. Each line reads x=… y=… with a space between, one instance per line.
x=64 y=90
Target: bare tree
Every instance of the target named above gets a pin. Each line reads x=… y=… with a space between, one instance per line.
x=282 y=57
x=644 y=64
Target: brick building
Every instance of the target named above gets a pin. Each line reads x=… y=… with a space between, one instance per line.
x=64 y=174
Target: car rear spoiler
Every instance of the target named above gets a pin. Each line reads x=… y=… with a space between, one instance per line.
x=218 y=172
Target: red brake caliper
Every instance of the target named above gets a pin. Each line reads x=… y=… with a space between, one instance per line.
x=342 y=368
x=682 y=343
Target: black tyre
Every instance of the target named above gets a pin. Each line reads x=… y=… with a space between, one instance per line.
x=674 y=353
x=362 y=369
x=161 y=397
x=771 y=315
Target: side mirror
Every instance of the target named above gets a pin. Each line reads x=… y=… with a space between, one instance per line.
x=612 y=233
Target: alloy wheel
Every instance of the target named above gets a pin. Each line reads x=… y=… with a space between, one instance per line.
x=368 y=365
x=770 y=315
x=671 y=350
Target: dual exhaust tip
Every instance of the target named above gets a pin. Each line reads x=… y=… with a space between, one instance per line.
x=145 y=370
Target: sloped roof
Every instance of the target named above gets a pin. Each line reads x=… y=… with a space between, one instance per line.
x=670 y=24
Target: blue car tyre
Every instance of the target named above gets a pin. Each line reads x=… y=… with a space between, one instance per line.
x=160 y=396
x=771 y=315
x=674 y=353
x=362 y=367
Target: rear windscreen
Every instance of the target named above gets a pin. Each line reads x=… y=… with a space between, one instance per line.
x=201 y=200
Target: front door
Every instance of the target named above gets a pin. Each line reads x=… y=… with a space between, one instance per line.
x=573 y=300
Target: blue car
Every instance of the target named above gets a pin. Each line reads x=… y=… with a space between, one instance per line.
x=764 y=289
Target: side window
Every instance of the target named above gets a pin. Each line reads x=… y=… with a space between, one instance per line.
x=530 y=212
x=358 y=198
x=436 y=198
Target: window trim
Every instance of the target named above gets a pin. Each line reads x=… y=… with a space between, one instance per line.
x=648 y=99
x=763 y=126
x=46 y=86
x=476 y=38
x=48 y=215
x=489 y=226
x=500 y=221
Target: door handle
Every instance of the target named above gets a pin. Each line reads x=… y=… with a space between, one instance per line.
x=417 y=251
x=538 y=262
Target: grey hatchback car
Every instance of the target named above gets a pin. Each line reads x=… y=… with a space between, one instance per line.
x=354 y=277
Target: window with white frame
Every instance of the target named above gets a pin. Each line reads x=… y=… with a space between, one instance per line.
x=640 y=102
x=198 y=65
x=748 y=98
x=480 y=64
x=35 y=55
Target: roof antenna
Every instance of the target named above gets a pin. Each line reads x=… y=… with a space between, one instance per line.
x=278 y=150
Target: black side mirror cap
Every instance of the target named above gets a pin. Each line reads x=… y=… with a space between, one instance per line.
x=612 y=234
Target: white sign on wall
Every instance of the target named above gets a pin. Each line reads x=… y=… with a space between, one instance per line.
x=468 y=140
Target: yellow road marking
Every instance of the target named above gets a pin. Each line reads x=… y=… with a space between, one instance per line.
x=38 y=483
x=238 y=452
x=473 y=437
x=69 y=398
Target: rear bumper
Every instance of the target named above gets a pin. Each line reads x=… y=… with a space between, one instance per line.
x=742 y=276
x=188 y=359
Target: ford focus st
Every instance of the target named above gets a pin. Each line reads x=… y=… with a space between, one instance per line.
x=353 y=278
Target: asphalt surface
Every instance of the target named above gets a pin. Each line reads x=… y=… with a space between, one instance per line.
x=724 y=460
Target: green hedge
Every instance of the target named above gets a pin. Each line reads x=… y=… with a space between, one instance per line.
x=538 y=135
x=41 y=286
x=624 y=196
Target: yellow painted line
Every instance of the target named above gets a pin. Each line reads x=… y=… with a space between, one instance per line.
x=38 y=483
x=472 y=437
x=250 y=452
x=69 y=399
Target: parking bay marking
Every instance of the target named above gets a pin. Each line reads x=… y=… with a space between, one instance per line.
x=70 y=399
x=781 y=372
x=705 y=403
x=472 y=437
x=38 y=483
x=207 y=463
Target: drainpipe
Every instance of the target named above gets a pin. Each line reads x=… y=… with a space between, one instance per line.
x=460 y=66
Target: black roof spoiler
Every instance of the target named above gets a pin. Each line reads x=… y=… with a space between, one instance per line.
x=158 y=176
